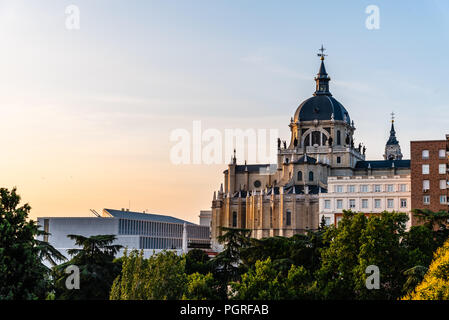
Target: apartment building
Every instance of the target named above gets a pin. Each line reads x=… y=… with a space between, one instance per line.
x=429 y=174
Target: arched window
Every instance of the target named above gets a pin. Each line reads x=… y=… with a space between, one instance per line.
x=299 y=175
x=316 y=135
x=338 y=138
x=234 y=219
x=311 y=176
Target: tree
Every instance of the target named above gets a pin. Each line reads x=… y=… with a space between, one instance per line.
x=435 y=285
x=160 y=277
x=265 y=282
x=336 y=276
x=95 y=260
x=226 y=264
x=22 y=274
x=200 y=287
x=197 y=261
x=381 y=246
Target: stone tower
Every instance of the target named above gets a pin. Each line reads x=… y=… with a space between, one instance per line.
x=392 y=148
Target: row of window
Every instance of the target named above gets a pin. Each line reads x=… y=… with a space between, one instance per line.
x=441 y=168
x=443 y=199
x=441 y=154
x=426 y=184
x=154 y=228
x=366 y=188
x=160 y=243
x=364 y=203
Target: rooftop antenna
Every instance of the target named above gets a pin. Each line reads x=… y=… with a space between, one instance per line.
x=95 y=212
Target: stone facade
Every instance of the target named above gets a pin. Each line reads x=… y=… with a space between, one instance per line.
x=282 y=199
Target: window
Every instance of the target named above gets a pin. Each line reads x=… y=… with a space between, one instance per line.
x=289 y=218
x=442 y=168
x=426 y=184
x=339 y=189
x=443 y=199
x=426 y=199
x=234 y=219
x=351 y=203
x=442 y=153
x=339 y=204
x=351 y=188
x=377 y=188
x=311 y=176
x=443 y=184
x=338 y=159
x=338 y=137
x=377 y=203
x=403 y=203
x=403 y=187
x=364 y=203
x=327 y=204
x=390 y=203
x=425 y=169
x=364 y=188
x=299 y=175
x=327 y=221
x=425 y=154
x=390 y=188
x=257 y=184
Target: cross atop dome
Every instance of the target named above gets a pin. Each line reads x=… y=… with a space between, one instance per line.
x=392 y=117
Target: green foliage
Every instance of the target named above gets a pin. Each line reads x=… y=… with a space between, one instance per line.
x=435 y=285
x=197 y=261
x=200 y=287
x=265 y=282
x=226 y=264
x=22 y=274
x=98 y=270
x=160 y=277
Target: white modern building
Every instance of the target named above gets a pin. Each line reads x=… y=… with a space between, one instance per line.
x=134 y=230
x=367 y=194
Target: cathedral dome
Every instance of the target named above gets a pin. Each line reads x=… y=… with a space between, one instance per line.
x=321 y=107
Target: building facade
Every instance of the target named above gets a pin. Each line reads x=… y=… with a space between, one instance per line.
x=283 y=199
x=429 y=174
x=371 y=194
x=134 y=230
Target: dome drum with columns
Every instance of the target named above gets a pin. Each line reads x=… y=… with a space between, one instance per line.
x=284 y=201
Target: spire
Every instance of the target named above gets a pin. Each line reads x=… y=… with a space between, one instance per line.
x=392 y=148
x=322 y=79
x=392 y=139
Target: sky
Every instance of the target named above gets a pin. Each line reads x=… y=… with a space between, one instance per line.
x=86 y=114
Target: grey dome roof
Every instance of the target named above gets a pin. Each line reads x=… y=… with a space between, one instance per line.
x=321 y=107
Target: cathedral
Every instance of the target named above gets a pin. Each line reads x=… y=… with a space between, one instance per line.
x=285 y=201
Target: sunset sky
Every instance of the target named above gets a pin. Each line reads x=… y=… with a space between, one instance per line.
x=86 y=114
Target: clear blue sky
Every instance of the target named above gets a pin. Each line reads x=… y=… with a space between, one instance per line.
x=95 y=107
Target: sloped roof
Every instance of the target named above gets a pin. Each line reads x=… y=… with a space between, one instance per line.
x=383 y=164
x=144 y=216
